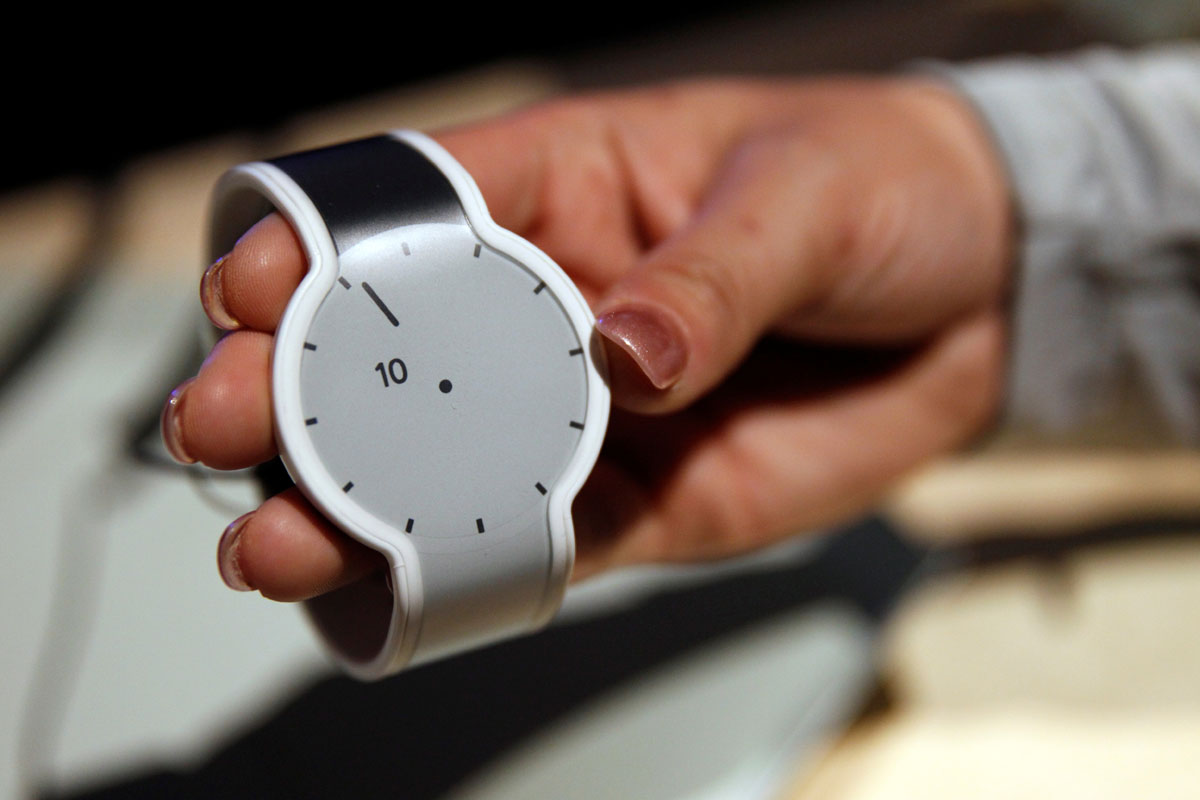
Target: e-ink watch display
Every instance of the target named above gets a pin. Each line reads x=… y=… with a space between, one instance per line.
x=438 y=394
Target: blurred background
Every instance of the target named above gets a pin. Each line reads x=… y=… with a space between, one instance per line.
x=1019 y=621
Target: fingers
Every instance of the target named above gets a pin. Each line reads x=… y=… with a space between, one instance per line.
x=551 y=175
x=222 y=417
x=610 y=505
x=251 y=285
x=749 y=473
x=693 y=309
x=877 y=215
x=510 y=184
x=288 y=551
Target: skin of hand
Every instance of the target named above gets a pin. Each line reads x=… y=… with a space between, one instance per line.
x=802 y=286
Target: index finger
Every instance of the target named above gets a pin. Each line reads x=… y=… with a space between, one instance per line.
x=250 y=286
x=506 y=157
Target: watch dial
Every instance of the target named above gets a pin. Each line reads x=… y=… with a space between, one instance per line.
x=443 y=385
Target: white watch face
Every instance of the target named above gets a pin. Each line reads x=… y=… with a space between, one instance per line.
x=442 y=384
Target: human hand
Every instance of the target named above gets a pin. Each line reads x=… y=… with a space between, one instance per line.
x=801 y=287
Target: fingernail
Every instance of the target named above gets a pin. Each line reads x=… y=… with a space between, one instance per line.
x=227 y=555
x=212 y=296
x=651 y=339
x=172 y=426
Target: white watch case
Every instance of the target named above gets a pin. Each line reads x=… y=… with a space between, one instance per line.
x=445 y=596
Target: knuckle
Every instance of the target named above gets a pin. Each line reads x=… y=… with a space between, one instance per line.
x=714 y=290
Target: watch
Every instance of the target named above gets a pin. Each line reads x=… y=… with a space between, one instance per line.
x=438 y=391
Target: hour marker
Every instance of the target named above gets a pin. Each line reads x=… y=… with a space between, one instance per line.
x=404 y=247
x=310 y=421
x=479 y=525
x=349 y=485
x=309 y=346
x=578 y=425
x=477 y=248
x=540 y=488
x=387 y=312
x=445 y=386
x=538 y=289
x=343 y=282
x=578 y=351
x=408 y=526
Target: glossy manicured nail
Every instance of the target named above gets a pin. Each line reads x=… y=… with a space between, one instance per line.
x=227 y=555
x=172 y=426
x=212 y=296
x=651 y=339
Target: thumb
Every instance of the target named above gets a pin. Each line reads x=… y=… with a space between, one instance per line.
x=680 y=322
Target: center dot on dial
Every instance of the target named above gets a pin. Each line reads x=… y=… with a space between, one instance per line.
x=445 y=386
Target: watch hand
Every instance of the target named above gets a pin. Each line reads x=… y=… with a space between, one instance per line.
x=382 y=307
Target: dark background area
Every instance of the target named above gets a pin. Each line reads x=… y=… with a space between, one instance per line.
x=88 y=92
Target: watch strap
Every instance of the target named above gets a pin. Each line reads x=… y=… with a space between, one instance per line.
x=373 y=185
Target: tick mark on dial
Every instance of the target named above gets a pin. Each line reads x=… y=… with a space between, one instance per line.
x=409 y=526
x=540 y=488
x=349 y=485
x=445 y=386
x=577 y=425
x=479 y=525
x=309 y=346
x=578 y=351
x=387 y=312
x=310 y=421
x=477 y=249
x=343 y=282
x=538 y=289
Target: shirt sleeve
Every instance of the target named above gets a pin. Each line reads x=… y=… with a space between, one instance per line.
x=1103 y=150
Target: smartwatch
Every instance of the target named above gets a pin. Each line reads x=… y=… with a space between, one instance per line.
x=438 y=391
